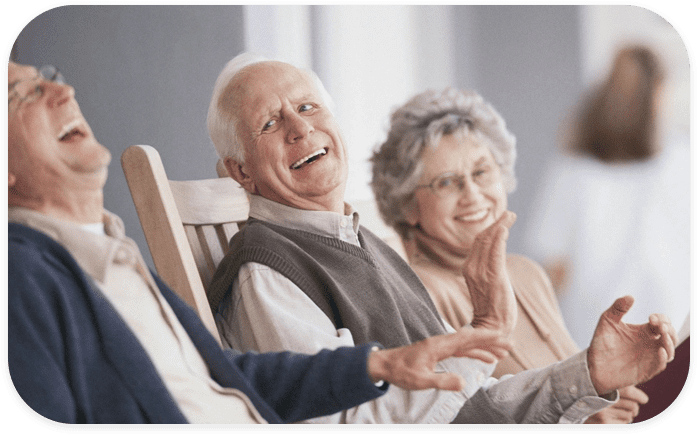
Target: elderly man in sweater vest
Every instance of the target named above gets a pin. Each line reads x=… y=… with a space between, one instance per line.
x=94 y=337
x=303 y=275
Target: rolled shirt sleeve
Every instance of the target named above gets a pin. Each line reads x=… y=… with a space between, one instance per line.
x=559 y=393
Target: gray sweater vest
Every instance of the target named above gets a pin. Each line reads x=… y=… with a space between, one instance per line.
x=370 y=289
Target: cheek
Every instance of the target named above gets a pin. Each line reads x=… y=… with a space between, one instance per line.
x=498 y=195
x=436 y=216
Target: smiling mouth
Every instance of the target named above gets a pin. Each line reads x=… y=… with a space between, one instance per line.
x=309 y=159
x=473 y=217
x=71 y=131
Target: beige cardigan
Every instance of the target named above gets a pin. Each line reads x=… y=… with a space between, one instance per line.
x=540 y=337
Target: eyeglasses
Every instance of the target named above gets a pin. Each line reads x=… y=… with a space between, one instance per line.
x=31 y=89
x=450 y=183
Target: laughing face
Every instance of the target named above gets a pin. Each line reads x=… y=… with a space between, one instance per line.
x=294 y=152
x=454 y=219
x=52 y=155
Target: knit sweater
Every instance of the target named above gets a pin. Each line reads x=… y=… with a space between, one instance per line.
x=72 y=358
x=369 y=289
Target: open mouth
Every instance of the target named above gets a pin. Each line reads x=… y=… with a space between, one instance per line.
x=309 y=159
x=72 y=131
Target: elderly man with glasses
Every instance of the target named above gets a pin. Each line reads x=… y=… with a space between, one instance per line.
x=94 y=337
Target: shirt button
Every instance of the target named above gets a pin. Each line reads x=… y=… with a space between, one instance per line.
x=573 y=389
x=343 y=223
x=480 y=378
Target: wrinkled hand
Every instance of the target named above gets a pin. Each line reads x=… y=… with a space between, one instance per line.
x=621 y=354
x=494 y=303
x=412 y=367
x=623 y=411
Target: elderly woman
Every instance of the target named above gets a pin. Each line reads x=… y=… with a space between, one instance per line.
x=441 y=177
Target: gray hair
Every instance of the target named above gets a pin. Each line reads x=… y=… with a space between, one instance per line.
x=421 y=122
x=222 y=121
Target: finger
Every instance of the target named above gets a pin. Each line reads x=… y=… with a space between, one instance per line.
x=668 y=343
x=498 y=233
x=507 y=218
x=486 y=259
x=445 y=381
x=486 y=355
x=664 y=333
x=484 y=240
x=635 y=394
x=619 y=415
x=621 y=306
x=482 y=344
x=630 y=406
x=659 y=319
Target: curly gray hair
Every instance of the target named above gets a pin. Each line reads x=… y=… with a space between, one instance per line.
x=420 y=123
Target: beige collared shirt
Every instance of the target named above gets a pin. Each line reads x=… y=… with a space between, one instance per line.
x=116 y=265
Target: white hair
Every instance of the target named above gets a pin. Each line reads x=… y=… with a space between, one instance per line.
x=222 y=121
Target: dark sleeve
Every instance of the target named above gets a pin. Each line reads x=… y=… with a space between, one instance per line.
x=293 y=386
x=299 y=387
x=36 y=347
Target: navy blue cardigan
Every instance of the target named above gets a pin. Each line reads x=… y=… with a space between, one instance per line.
x=73 y=359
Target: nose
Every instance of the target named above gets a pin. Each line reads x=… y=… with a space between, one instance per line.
x=298 y=128
x=470 y=191
x=58 y=93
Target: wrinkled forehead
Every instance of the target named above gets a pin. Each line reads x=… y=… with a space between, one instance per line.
x=261 y=86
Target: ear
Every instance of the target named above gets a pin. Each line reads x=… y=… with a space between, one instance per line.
x=237 y=172
x=11 y=179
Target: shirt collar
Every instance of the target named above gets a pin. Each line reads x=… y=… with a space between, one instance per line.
x=325 y=223
x=93 y=252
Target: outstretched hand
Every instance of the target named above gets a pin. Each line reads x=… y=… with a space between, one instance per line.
x=621 y=354
x=412 y=367
x=494 y=303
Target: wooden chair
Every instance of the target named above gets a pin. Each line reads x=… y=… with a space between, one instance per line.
x=187 y=224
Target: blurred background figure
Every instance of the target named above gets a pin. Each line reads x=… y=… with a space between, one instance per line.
x=612 y=216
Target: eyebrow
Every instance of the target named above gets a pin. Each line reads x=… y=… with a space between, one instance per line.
x=309 y=96
x=482 y=160
x=306 y=97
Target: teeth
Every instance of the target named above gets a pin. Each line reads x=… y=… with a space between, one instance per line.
x=473 y=217
x=305 y=159
x=73 y=125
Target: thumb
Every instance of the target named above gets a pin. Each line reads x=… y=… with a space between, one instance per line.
x=619 y=308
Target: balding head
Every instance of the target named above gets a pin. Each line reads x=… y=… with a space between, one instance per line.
x=223 y=112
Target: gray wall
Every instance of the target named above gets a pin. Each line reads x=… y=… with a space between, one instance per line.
x=143 y=75
x=525 y=60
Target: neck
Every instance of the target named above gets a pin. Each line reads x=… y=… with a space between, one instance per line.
x=87 y=209
x=423 y=247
